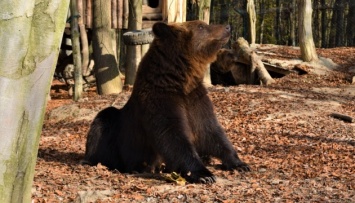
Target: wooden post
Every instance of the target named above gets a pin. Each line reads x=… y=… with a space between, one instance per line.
x=114 y=14
x=83 y=39
x=78 y=78
x=134 y=53
x=88 y=13
x=125 y=14
x=174 y=10
x=120 y=14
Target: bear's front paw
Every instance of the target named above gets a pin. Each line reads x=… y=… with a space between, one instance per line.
x=239 y=166
x=201 y=176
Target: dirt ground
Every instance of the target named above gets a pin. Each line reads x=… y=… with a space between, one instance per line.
x=297 y=152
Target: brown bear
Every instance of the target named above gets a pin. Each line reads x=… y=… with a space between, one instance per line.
x=169 y=117
x=227 y=70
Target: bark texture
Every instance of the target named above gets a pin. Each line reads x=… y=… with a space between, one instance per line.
x=308 y=49
x=30 y=35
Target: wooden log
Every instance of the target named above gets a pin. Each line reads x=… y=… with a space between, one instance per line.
x=270 y=67
x=81 y=11
x=343 y=117
x=88 y=12
x=83 y=38
x=242 y=49
x=78 y=77
x=125 y=14
x=120 y=14
x=84 y=50
x=114 y=14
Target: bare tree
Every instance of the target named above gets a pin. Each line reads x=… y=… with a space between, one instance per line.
x=278 y=21
x=324 y=24
x=308 y=49
x=262 y=7
x=27 y=61
x=292 y=23
x=252 y=21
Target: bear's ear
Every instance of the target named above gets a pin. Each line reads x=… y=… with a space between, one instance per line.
x=162 y=30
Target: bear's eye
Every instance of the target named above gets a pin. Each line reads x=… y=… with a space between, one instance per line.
x=201 y=27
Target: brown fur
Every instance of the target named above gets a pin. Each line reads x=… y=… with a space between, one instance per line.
x=169 y=117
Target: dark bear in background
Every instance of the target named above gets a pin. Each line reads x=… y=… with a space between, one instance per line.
x=169 y=117
x=226 y=70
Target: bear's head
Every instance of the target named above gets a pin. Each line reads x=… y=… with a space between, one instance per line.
x=197 y=40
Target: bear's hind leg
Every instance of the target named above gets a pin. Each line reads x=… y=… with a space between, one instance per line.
x=100 y=143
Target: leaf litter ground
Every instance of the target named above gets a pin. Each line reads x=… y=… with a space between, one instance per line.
x=297 y=152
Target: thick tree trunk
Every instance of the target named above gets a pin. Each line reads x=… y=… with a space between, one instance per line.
x=106 y=70
x=308 y=49
x=30 y=35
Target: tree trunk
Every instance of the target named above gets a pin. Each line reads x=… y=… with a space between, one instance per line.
x=339 y=37
x=245 y=18
x=75 y=38
x=134 y=53
x=204 y=15
x=316 y=23
x=350 y=29
x=262 y=20
x=308 y=50
x=84 y=41
x=278 y=22
x=324 y=24
x=223 y=11
x=174 y=11
x=30 y=36
x=204 y=10
x=106 y=70
x=292 y=23
x=333 y=26
x=252 y=21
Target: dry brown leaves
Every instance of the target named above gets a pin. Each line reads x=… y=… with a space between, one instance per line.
x=296 y=151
